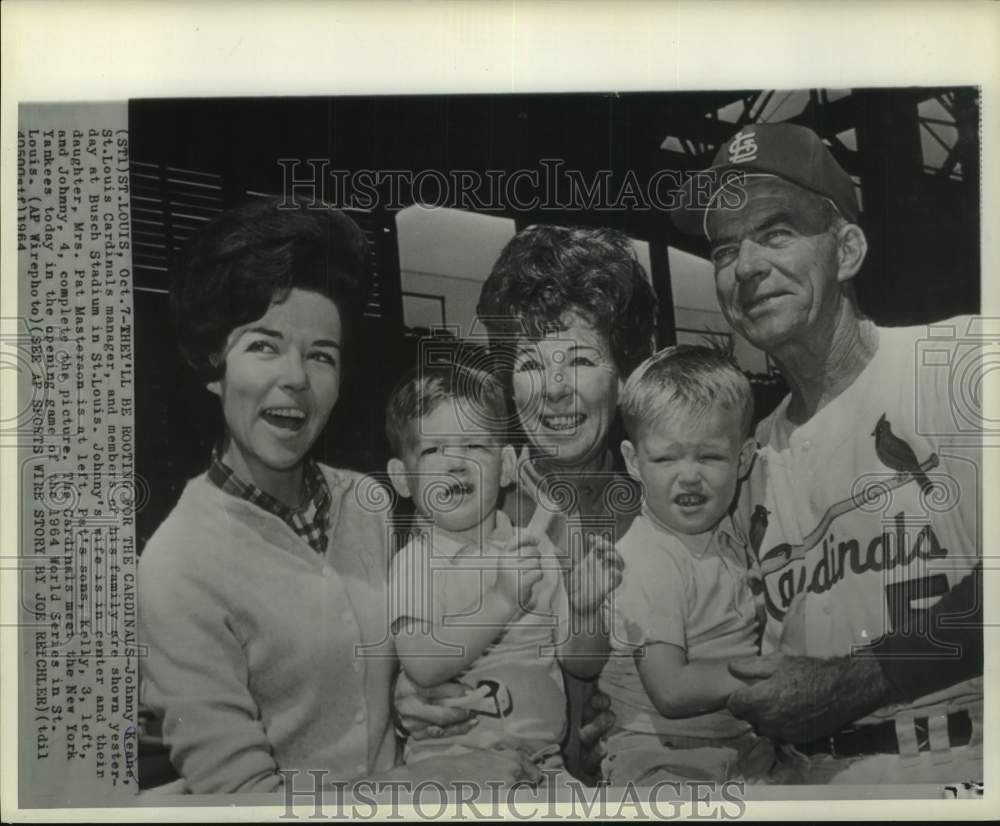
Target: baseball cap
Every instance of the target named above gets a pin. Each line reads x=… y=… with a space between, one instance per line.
x=786 y=150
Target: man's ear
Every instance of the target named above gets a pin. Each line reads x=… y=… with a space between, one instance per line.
x=508 y=465
x=631 y=459
x=852 y=247
x=397 y=475
x=746 y=457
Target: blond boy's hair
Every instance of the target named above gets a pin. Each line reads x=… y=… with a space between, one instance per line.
x=685 y=378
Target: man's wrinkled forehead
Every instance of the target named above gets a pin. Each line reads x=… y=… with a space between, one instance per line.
x=762 y=201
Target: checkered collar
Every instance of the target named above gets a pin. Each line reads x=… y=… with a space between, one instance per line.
x=309 y=521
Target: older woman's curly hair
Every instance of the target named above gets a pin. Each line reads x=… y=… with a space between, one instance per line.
x=248 y=257
x=545 y=272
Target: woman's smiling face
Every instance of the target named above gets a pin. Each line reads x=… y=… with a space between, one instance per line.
x=281 y=381
x=566 y=389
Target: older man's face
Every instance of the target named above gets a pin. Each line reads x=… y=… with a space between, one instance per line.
x=776 y=265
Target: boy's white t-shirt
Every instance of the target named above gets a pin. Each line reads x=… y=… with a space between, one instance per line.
x=428 y=581
x=702 y=603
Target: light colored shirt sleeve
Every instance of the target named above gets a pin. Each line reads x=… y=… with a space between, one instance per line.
x=649 y=606
x=411 y=583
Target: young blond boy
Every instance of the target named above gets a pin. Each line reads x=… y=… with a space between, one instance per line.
x=685 y=606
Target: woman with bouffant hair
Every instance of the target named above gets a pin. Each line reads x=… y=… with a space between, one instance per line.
x=547 y=273
x=572 y=313
x=262 y=596
x=231 y=272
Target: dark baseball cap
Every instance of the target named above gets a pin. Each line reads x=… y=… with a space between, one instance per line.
x=793 y=153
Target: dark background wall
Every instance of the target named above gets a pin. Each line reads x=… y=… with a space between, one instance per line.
x=192 y=158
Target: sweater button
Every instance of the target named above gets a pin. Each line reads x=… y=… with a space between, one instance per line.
x=361 y=768
x=356 y=666
x=347 y=618
x=359 y=717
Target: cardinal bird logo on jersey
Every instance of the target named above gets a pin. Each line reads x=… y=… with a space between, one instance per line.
x=758 y=528
x=897 y=455
x=839 y=554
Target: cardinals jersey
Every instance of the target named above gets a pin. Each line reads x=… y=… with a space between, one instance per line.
x=871 y=508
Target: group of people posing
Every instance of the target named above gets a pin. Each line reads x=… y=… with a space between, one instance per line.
x=609 y=574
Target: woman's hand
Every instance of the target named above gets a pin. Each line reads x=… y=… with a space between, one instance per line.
x=594 y=576
x=418 y=715
x=585 y=647
x=595 y=725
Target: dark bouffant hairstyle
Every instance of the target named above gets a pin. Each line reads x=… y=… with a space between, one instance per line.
x=546 y=271
x=248 y=257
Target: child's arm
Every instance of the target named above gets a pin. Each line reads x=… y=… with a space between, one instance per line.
x=431 y=652
x=679 y=688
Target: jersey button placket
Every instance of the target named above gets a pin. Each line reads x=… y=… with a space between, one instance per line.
x=806 y=460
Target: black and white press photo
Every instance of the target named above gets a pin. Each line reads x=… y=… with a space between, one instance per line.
x=484 y=452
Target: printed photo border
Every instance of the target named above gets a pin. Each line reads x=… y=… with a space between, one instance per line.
x=63 y=52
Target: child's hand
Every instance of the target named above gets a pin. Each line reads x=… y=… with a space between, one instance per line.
x=518 y=569
x=594 y=576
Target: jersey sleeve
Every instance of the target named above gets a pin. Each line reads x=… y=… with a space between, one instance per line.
x=948 y=411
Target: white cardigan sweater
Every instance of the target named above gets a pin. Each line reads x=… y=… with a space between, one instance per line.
x=262 y=655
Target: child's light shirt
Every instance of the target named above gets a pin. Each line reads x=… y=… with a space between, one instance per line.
x=429 y=581
x=701 y=602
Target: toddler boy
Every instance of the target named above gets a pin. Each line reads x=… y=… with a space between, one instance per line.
x=685 y=606
x=471 y=601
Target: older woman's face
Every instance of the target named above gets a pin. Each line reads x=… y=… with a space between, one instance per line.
x=566 y=391
x=282 y=379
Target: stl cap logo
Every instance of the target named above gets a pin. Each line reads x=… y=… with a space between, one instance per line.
x=743 y=148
